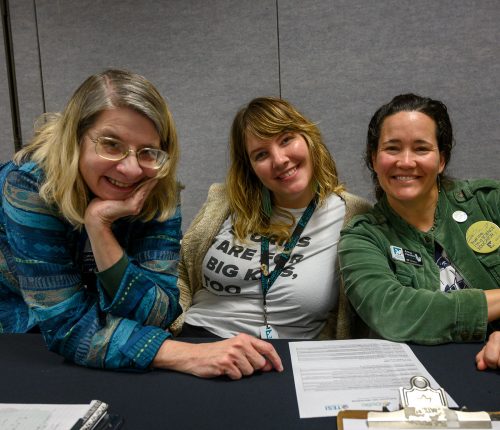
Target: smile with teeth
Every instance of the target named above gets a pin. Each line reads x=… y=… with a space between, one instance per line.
x=287 y=173
x=119 y=184
x=405 y=178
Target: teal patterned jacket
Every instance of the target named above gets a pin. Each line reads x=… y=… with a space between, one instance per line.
x=41 y=270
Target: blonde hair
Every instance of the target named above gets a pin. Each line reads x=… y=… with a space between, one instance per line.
x=266 y=118
x=55 y=146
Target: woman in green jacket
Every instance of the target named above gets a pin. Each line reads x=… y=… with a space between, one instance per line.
x=423 y=265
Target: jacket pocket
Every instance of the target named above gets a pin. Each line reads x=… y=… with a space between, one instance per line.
x=491 y=263
x=406 y=277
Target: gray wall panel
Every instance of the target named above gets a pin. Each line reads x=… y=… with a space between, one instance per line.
x=29 y=86
x=342 y=59
x=207 y=58
x=6 y=133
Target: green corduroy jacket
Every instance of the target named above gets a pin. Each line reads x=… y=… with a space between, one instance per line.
x=401 y=301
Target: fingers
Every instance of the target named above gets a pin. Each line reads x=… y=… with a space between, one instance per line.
x=249 y=354
x=489 y=356
x=134 y=203
x=480 y=364
x=147 y=186
x=108 y=211
x=239 y=356
x=273 y=360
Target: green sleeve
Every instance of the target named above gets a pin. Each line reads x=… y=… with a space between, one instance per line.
x=394 y=308
x=111 y=278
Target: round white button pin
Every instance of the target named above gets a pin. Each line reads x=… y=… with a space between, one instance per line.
x=459 y=216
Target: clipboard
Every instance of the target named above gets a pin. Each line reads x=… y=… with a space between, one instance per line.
x=363 y=415
x=96 y=412
x=422 y=407
x=98 y=418
x=350 y=415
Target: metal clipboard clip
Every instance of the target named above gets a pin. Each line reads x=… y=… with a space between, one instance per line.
x=424 y=407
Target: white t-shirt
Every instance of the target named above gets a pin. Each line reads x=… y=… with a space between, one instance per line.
x=298 y=302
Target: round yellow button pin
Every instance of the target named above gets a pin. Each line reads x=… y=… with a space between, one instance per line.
x=483 y=237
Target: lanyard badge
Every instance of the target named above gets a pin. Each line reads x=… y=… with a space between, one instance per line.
x=267 y=278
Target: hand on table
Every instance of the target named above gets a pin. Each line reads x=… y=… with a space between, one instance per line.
x=489 y=356
x=236 y=357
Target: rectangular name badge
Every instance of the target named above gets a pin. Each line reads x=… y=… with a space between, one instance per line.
x=406 y=256
x=268 y=332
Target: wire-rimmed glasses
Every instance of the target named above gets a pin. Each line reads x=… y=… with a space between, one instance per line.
x=114 y=150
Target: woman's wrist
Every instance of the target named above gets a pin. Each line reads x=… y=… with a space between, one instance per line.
x=493 y=301
x=172 y=354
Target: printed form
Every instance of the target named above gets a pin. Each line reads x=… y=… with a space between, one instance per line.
x=46 y=417
x=352 y=374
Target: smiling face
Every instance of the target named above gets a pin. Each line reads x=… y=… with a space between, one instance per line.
x=407 y=161
x=116 y=180
x=284 y=166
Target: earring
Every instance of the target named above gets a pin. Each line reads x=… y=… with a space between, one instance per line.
x=267 y=206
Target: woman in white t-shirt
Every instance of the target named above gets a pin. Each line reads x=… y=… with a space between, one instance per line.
x=260 y=258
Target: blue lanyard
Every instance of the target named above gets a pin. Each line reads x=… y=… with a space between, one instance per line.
x=267 y=279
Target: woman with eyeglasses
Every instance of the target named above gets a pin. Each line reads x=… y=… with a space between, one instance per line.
x=90 y=226
x=422 y=266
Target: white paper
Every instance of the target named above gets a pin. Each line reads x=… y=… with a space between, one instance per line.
x=361 y=374
x=15 y=416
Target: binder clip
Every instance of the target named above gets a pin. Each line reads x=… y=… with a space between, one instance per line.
x=424 y=408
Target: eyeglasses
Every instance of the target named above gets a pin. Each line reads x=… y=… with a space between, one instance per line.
x=114 y=150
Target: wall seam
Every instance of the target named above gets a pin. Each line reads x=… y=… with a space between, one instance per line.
x=40 y=68
x=278 y=40
x=11 y=75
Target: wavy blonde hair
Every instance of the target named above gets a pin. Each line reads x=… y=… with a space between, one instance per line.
x=55 y=146
x=266 y=118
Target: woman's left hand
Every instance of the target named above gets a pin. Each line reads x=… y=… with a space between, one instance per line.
x=236 y=357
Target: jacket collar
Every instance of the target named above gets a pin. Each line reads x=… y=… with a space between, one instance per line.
x=385 y=214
